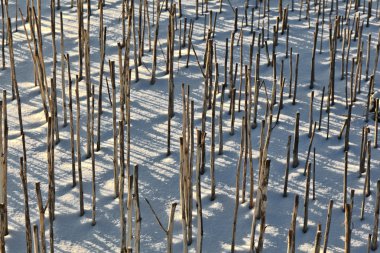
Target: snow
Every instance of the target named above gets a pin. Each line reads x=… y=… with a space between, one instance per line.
x=158 y=174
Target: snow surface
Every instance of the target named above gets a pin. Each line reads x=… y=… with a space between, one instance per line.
x=158 y=173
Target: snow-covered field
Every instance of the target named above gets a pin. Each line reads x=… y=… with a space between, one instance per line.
x=158 y=173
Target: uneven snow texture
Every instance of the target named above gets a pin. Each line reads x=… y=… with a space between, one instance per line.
x=159 y=173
